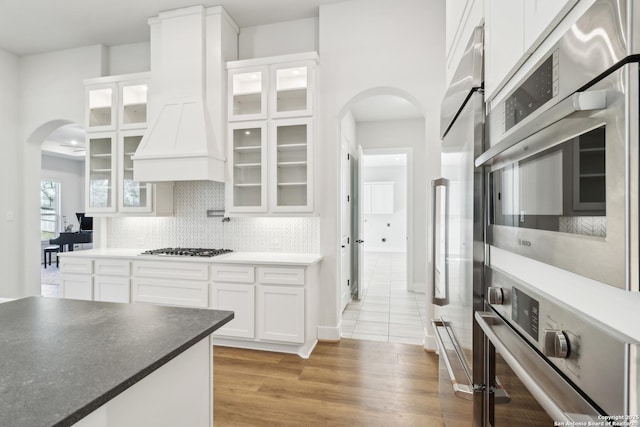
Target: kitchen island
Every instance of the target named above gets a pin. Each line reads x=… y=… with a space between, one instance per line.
x=87 y=363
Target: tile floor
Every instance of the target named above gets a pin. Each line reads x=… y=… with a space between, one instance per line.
x=387 y=312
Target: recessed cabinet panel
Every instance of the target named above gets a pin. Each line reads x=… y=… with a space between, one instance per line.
x=133 y=113
x=248 y=96
x=100 y=171
x=239 y=298
x=292 y=165
x=248 y=163
x=112 y=289
x=101 y=101
x=275 y=323
x=77 y=286
x=133 y=196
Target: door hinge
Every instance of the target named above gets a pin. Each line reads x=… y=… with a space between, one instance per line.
x=348 y=198
x=348 y=240
x=348 y=283
x=348 y=156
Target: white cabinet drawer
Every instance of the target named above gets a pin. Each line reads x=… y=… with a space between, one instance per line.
x=232 y=273
x=77 y=286
x=171 y=292
x=171 y=270
x=111 y=289
x=76 y=265
x=281 y=275
x=112 y=267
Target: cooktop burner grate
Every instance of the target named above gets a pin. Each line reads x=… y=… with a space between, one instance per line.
x=201 y=252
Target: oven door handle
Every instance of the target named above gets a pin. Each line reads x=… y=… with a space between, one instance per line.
x=464 y=391
x=579 y=101
x=490 y=323
x=444 y=183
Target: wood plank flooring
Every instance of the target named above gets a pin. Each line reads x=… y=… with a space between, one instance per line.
x=349 y=383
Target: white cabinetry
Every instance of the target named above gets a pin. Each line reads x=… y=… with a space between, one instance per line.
x=276 y=323
x=378 y=198
x=513 y=30
x=116 y=118
x=171 y=283
x=111 y=280
x=270 y=149
x=77 y=279
x=233 y=289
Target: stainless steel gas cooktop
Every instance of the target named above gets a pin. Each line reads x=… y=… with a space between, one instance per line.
x=201 y=252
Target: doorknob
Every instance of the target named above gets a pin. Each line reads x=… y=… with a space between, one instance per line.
x=359 y=241
x=343 y=246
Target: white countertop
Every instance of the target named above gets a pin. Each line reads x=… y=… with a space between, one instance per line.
x=280 y=258
x=615 y=308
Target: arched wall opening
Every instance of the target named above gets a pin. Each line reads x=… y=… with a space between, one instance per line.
x=405 y=117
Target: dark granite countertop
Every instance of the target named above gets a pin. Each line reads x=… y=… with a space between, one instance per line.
x=62 y=359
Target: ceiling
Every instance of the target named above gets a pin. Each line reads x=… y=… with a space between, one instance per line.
x=36 y=26
x=67 y=141
x=384 y=107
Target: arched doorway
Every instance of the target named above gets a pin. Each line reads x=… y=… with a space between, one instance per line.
x=385 y=126
x=53 y=133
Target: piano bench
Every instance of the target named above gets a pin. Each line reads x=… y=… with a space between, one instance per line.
x=49 y=250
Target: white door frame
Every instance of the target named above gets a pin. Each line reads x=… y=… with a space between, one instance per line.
x=408 y=151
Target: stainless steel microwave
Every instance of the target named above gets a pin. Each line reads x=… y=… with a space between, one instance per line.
x=563 y=164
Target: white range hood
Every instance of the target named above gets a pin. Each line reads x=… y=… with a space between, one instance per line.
x=185 y=139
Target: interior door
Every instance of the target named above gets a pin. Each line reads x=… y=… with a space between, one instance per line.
x=359 y=211
x=345 y=222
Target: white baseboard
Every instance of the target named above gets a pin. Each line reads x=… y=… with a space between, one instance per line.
x=430 y=342
x=329 y=333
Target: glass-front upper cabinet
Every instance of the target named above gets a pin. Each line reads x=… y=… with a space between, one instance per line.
x=100 y=172
x=248 y=163
x=133 y=196
x=133 y=105
x=248 y=93
x=292 y=174
x=100 y=112
x=291 y=93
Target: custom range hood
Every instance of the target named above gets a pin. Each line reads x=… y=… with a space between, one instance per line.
x=185 y=138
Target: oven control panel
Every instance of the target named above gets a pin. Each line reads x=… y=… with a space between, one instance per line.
x=574 y=343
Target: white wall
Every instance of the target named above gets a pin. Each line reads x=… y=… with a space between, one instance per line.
x=407 y=133
x=369 y=46
x=70 y=174
x=390 y=227
x=278 y=39
x=10 y=191
x=129 y=58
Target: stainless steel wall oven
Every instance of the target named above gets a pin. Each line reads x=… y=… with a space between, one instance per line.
x=563 y=176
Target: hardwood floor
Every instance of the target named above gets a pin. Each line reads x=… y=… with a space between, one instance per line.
x=349 y=383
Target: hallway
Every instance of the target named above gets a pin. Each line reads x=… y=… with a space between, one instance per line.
x=387 y=312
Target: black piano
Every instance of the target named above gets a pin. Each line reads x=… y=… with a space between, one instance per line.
x=70 y=238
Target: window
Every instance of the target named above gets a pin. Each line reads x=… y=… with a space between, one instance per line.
x=49 y=209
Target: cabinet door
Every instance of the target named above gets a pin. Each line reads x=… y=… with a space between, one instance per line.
x=100 y=104
x=132 y=108
x=281 y=313
x=77 y=286
x=133 y=196
x=291 y=90
x=247 y=167
x=291 y=167
x=247 y=93
x=239 y=298
x=542 y=15
x=504 y=40
x=112 y=289
x=101 y=172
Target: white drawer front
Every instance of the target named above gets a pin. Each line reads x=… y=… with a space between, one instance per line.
x=76 y=265
x=171 y=270
x=232 y=273
x=281 y=275
x=112 y=267
x=171 y=292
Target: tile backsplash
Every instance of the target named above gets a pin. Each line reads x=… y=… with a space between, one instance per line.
x=190 y=227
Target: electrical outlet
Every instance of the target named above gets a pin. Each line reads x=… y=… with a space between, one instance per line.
x=275 y=244
x=140 y=242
